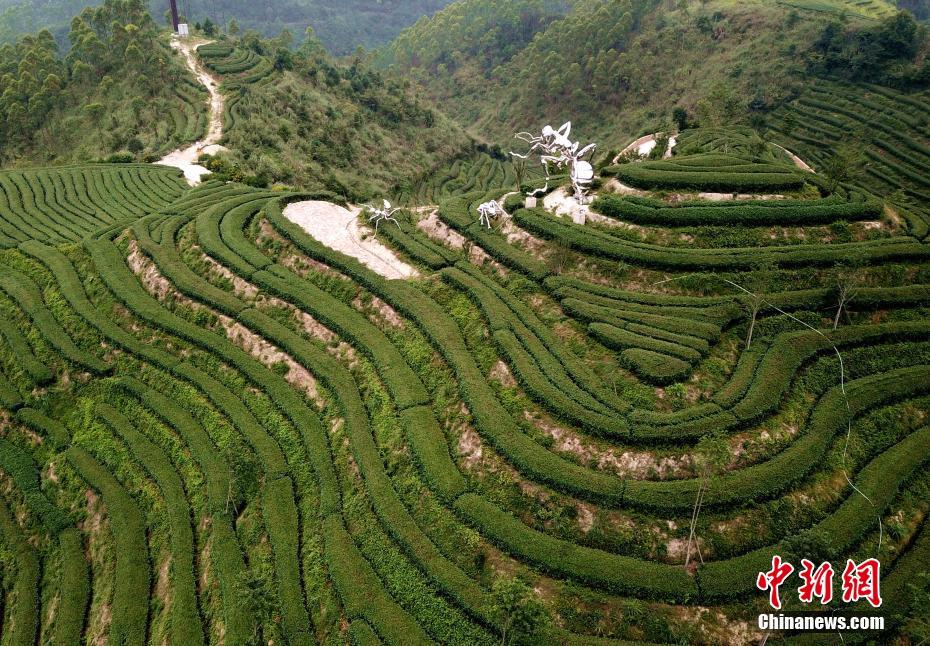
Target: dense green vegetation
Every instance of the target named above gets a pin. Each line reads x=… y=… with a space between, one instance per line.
x=920 y=8
x=626 y=55
x=302 y=119
x=478 y=35
x=342 y=26
x=118 y=89
x=884 y=53
x=619 y=69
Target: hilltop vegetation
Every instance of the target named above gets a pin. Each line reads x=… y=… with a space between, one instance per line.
x=119 y=88
x=885 y=53
x=294 y=117
x=920 y=8
x=620 y=68
x=303 y=119
x=479 y=34
x=341 y=25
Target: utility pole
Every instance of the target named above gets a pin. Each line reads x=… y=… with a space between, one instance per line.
x=174 y=14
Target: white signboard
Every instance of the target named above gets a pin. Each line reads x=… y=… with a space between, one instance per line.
x=183 y=30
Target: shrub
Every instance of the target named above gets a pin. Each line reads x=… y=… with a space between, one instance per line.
x=121 y=158
x=657 y=368
x=742 y=214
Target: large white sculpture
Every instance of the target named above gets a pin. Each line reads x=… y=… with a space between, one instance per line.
x=489 y=211
x=376 y=215
x=556 y=148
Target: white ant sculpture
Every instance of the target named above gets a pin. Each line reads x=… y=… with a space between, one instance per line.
x=489 y=211
x=555 y=147
x=378 y=216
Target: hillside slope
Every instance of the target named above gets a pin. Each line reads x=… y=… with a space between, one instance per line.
x=297 y=118
x=120 y=88
x=304 y=120
x=342 y=25
x=616 y=68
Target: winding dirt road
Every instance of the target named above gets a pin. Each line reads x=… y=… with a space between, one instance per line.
x=800 y=163
x=186 y=158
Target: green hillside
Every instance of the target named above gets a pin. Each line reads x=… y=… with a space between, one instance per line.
x=342 y=26
x=120 y=88
x=617 y=69
x=301 y=119
x=296 y=118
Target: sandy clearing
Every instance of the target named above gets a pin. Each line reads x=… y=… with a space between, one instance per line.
x=639 y=465
x=561 y=203
x=340 y=229
x=186 y=158
x=439 y=231
x=645 y=145
x=724 y=197
x=616 y=186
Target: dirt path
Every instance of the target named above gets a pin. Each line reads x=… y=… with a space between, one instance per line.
x=186 y=158
x=339 y=229
x=800 y=163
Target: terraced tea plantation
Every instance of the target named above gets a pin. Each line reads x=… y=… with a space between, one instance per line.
x=894 y=160
x=218 y=430
x=874 y=9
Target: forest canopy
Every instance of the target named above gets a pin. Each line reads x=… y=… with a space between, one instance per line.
x=886 y=52
x=342 y=25
x=108 y=93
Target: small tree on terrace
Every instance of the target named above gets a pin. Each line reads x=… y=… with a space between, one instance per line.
x=840 y=167
x=845 y=281
x=711 y=456
x=520 y=614
x=752 y=297
x=256 y=597
x=559 y=255
x=519 y=172
x=681 y=119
